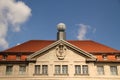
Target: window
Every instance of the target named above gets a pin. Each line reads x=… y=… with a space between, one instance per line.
x=61 y=69
x=77 y=69
x=9 y=70
x=18 y=57
x=57 y=69
x=100 y=70
x=4 y=57
x=113 y=70
x=104 y=57
x=117 y=57
x=85 y=69
x=64 y=69
x=22 y=69
x=44 y=69
x=41 y=69
x=37 y=69
x=81 y=69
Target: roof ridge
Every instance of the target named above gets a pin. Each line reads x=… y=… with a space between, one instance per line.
x=42 y=40
x=79 y=40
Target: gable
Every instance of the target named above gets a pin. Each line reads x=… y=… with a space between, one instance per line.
x=66 y=45
x=52 y=55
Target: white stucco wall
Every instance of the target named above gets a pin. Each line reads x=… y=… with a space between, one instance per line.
x=71 y=59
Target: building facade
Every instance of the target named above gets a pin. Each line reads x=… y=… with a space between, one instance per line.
x=60 y=59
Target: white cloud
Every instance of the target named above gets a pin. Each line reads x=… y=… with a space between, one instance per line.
x=12 y=14
x=94 y=30
x=82 y=31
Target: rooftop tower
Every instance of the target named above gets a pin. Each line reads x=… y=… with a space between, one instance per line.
x=61 y=35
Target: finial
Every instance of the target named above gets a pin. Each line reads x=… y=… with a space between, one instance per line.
x=61 y=27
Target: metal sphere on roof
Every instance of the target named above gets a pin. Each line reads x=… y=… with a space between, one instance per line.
x=61 y=27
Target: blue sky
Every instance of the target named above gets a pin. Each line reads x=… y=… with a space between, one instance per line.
x=99 y=20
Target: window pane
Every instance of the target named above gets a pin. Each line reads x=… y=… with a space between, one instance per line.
x=85 y=69
x=9 y=70
x=77 y=69
x=113 y=70
x=22 y=69
x=100 y=70
x=64 y=69
x=37 y=69
x=44 y=69
x=57 y=69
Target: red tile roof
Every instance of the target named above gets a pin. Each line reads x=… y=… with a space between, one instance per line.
x=32 y=46
x=93 y=47
x=86 y=45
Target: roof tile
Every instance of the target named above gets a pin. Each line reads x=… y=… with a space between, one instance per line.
x=86 y=45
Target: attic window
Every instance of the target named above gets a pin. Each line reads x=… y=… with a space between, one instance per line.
x=18 y=57
x=104 y=56
x=4 y=57
x=117 y=56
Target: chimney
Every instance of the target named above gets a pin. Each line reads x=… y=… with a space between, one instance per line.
x=61 y=35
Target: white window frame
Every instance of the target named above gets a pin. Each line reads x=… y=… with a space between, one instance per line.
x=100 y=70
x=113 y=70
x=85 y=69
x=77 y=69
x=45 y=69
x=64 y=69
x=37 y=69
x=61 y=69
x=57 y=69
x=9 y=70
x=82 y=70
x=41 y=70
x=22 y=69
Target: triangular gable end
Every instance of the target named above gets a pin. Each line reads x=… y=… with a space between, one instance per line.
x=80 y=51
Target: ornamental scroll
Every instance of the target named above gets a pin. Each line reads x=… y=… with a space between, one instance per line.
x=61 y=51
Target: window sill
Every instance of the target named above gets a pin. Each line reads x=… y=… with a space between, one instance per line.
x=8 y=74
x=81 y=74
x=40 y=74
x=61 y=74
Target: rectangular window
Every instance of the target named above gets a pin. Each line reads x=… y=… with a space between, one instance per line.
x=57 y=69
x=64 y=69
x=85 y=69
x=117 y=57
x=104 y=57
x=4 y=57
x=77 y=69
x=37 y=69
x=18 y=57
x=44 y=69
x=9 y=70
x=61 y=69
x=22 y=69
x=113 y=70
x=100 y=70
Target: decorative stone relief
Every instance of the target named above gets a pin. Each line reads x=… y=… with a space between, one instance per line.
x=61 y=51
